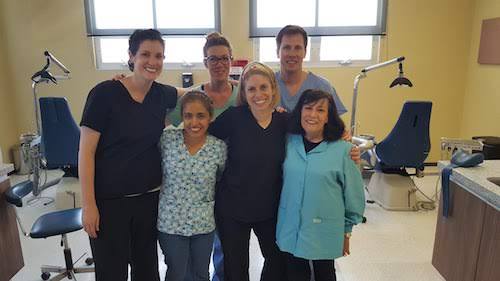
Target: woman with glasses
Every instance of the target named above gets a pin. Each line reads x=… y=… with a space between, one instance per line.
x=217 y=54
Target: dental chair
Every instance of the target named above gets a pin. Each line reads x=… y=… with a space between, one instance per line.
x=60 y=145
x=56 y=148
x=48 y=225
x=406 y=147
x=60 y=135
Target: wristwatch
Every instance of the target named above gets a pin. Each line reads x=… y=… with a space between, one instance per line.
x=347 y=235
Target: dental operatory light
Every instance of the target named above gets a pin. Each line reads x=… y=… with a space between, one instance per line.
x=34 y=147
x=401 y=80
x=44 y=75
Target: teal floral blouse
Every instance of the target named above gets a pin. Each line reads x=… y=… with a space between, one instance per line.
x=186 y=205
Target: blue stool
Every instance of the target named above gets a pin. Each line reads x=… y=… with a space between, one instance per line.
x=51 y=224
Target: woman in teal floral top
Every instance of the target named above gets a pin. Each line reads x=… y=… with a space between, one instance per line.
x=192 y=160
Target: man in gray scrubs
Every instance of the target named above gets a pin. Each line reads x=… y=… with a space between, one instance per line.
x=291 y=43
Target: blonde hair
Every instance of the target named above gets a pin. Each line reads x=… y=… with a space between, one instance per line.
x=257 y=68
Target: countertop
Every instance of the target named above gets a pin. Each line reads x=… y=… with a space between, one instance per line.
x=475 y=180
x=5 y=169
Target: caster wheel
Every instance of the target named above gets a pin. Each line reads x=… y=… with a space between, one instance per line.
x=364 y=220
x=45 y=276
x=89 y=261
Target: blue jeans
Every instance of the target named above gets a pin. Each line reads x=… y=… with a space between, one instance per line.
x=217 y=259
x=179 y=250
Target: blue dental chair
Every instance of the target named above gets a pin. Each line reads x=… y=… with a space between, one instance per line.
x=60 y=141
x=48 y=225
x=60 y=135
x=406 y=146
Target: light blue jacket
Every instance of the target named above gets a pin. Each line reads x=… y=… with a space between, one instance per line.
x=322 y=198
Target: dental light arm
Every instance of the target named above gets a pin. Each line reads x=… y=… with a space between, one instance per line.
x=400 y=80
x=45 y=76
x=34 y=148
x=50 y=58
x=382 y=64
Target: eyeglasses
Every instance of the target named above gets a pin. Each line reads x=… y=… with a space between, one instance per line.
x=213 y=60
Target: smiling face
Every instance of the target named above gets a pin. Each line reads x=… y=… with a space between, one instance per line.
x=148 y=60
x=292 y=52
x=314 y=117
x=259 y=93
x=218 y=62
x=196 y=119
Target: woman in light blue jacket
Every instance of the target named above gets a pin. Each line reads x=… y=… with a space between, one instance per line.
x=322 y=196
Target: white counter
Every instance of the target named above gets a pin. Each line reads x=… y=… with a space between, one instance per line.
x=4 y=170
x=475 y=180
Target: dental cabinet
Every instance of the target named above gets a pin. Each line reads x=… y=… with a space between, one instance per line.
x=467 y=242
x=11 y=257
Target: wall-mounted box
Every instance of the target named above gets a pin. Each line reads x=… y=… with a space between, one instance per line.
x=489 y=46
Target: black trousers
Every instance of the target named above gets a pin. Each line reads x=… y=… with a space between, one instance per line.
x=127 y=235
x=299 y=269
x=235 y=239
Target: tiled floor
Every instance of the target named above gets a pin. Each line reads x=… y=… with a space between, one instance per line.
x=390 y=246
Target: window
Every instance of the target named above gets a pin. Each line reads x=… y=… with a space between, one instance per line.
x=342 y=32
x=110 y=22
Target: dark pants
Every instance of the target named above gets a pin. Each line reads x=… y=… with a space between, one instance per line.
x=127 y=235
x=179 y=250
x=235 y=238
x=299 y=269
x=217 y=259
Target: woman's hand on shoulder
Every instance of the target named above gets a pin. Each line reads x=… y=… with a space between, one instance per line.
x=119 y=77
x=346 y=135
x=181 y=91
x=280 y=109
x=234 y=82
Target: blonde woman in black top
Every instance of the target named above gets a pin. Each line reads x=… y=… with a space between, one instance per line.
x=248 y=194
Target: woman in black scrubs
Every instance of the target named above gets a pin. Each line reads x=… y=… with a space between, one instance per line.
x=248 y=194
x=119 y=163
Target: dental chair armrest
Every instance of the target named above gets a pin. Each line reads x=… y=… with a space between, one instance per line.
x=16 y=193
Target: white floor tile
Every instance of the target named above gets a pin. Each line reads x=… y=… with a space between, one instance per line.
x=390 y=246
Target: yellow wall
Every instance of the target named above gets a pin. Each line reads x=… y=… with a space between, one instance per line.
x=433 y=35
x=8 y=118
x=481 y=111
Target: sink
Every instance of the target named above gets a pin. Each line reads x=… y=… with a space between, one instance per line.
x=495 y=180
